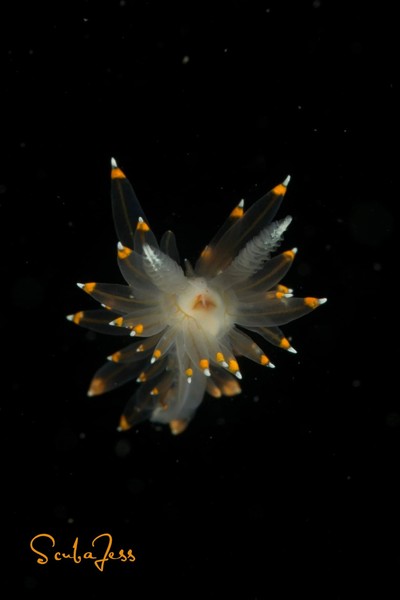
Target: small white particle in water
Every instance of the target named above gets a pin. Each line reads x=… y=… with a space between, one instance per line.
x=225 y=50
x=299 y=107
x=377 y=266
x=185 y=60
x=256 y=399
x=348 y=477
x=82 y=436
x=70 y=520
x=356 y=383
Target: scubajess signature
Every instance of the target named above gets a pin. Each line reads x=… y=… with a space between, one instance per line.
x=44 y=546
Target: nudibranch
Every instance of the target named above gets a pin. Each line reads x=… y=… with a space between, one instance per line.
x=190 y=320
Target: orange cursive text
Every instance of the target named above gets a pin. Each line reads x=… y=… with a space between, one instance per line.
x=102 y=552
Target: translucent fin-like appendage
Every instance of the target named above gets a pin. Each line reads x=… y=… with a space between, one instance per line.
x=165 y=342
x=125 y=206
x=143 y=236
x=268 y=276
x=274 y=312
x=169 y=247
x=119 y=298
x=111 y=376
x=225 y=357
x=252 y=257
x=243 y=345
x=236 y=214
x=163 y=271
x=142 y=322
x=152 y=370
x=142 y=349
x=149 y=396
x=98 y=321
x=189 y=271
x=194 y=346
x=222 y=383
x=131 y=265
x=217 y=256
x=274 y=336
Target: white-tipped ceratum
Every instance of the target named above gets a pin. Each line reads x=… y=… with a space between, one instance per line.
x=190 y=322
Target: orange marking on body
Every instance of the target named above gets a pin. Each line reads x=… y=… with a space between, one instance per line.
x=140 y=348
x=117 y=174
x=124 y=252
x=96 y=387
x=142 y=377
x=289 y=254
x=264 y=360
x=78 y=317
x=142 y=226
x=231 y=388
x=155 y=391
x=284 y=344
x=177 y=426
x=311 y=302
x=206 y=253
x=203 y=302
x=123 y=423
x=204 y=364
x=237 y=212
x=89 y=287
x=213 y=389
x=116 y=356
x=280 y=189
x=282 y=288
x=118 y=322
x=157 y=354
x=233 y=366
x=279 y=295
x=138 y=328
x=220 y=357
x=189 y=372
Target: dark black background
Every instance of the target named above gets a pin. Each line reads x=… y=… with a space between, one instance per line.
x=292 y=486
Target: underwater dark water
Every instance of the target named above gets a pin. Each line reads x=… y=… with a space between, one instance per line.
x=291 y=487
